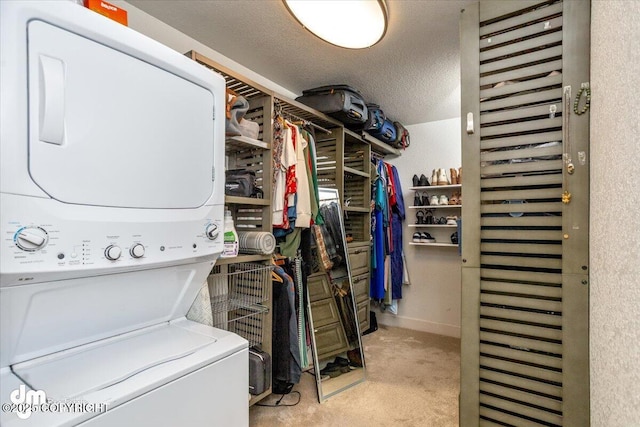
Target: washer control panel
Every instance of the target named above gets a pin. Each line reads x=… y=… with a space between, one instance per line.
x=31 y=238
x=51 y=243
x=212 y=231
x=137 y=250
x=112 y=252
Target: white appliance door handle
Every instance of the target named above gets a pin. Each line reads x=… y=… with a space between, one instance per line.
x=51 y=100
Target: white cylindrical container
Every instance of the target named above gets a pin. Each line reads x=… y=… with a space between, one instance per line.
x=256 y=242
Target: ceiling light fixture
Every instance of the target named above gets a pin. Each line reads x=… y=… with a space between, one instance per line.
x=354 y=24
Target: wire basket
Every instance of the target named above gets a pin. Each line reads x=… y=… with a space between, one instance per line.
x=238 y=293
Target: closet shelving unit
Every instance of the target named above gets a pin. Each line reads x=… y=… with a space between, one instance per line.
x=343 y=159
x=380 y=147
x=343 y=162
x=250 y=214
x=346 y=165
x=439 y=210
x=240 y=287
x=249 y=152
x=299 y=111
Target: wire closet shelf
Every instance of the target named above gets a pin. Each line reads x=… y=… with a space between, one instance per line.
x=238 y=293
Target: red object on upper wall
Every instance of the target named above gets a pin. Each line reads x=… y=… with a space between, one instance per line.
x=107 y=9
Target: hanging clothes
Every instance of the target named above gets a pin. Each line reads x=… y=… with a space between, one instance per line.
x=333 y=237
x=397 y=217
x=291 y=184
x=313 y=165
x=295 y=369
x=284 y=161
x=386 y=228
x=304 y=264
x=291 y=242
x=296 y=189
x=286 y=349
x=280 y=331
x=379 y=233
x=303 y=200
x=344 y=302
x=299 y=280
x=312 y=173
x=277 y=146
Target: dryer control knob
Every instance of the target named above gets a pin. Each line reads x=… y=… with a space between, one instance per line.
x=137 y=250
x=31 y=238
x=112 y=252
x=212 y=231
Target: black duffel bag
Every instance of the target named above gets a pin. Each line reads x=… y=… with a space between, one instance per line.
x=241 y=183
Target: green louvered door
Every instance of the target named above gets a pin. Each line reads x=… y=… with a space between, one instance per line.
x=525 y=276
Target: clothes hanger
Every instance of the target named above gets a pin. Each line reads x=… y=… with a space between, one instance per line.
x=278 y=260
x=276 y=278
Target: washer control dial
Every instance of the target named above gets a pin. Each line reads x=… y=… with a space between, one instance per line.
x=113 y=252
x=137 y=250
x=31 y=238
x=212 y=231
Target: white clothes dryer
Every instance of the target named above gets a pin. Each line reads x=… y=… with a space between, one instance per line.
x=111 y=217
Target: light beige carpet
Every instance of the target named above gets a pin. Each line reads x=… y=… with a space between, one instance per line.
x=413 y=379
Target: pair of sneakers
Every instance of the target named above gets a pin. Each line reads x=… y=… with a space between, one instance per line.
x=423 y=237
x=440 y=200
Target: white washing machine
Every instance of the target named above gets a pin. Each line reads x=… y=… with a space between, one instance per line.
x=111 y=216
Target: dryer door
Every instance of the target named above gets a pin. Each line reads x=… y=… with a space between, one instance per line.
x=109 y=129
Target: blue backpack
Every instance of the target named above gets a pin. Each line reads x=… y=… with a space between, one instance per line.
x=387 y=132
x=376 y=118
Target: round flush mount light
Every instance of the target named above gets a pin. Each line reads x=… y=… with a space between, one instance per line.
x=354 y=24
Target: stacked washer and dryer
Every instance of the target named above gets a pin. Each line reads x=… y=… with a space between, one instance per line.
x=111 y=210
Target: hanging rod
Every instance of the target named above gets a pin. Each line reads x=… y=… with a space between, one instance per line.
x=294 y=117
x=377 y=156
x=305 y=121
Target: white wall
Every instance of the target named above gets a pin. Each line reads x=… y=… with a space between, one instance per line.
x=615 y=214
x=432 y=302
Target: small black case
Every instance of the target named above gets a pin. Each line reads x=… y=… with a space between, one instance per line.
x=241 y=183
x=259 y=371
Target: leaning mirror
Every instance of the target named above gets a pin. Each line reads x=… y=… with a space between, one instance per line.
x=338 y=357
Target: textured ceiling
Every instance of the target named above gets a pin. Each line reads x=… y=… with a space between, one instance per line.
x=413 y=73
